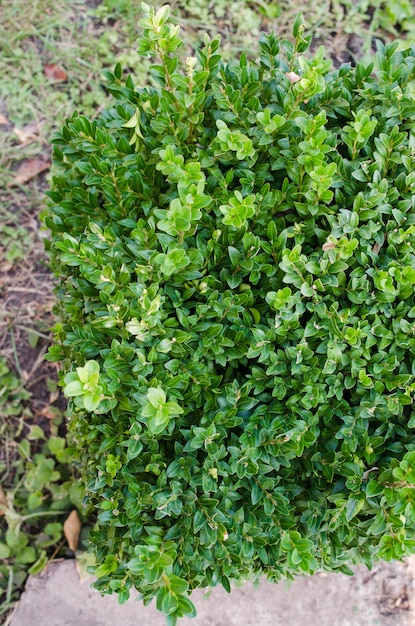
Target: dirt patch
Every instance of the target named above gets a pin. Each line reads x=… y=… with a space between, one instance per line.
x=26 y=308
x=377 y=598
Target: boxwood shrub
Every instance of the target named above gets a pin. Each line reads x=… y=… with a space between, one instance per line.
x=234 y=247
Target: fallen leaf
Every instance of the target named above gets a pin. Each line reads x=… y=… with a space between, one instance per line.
x=50 y=412
x=55 y=72
x=3 y=501
x=5 y=269
x=71 y=528
x=29 y=169
x=28 y=133
x=3 y=120
x=293 y=77
x=54 y=396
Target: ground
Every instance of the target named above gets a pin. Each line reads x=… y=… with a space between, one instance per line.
x=381 y=597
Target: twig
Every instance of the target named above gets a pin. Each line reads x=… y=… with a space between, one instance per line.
x=16 y=358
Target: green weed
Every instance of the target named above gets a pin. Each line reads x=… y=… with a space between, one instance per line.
x=15 y=242
x=38 y=489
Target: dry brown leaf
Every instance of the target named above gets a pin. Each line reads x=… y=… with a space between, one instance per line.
x=55 y=72
x=50 y=412
x=54 y=396
x=29 y=169
x=5 y=269
x=377 y=246
x=72 y=528
x=293 y=77
x=28 y=133
x=3 y=120
x=3 y=500
x=329 y=245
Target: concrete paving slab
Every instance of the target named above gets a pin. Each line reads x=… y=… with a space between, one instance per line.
x=380 y=597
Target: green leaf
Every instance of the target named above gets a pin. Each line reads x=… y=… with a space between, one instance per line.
x=171 y=620
x=40 y=564
x=156 y=397
x=353 y=507
x=307 y=290
x=135 y=446
x=36 y=432
x=92 y=367
x=158 y=423
x=172 y=408
x=35 y=500
x=178 y=585
x=92 y=401
x=373 y=488
x=26 y=555
x=74 y=388
x=169 y=604
x=4 y=551
x=186 y=606
x=123 y=595
x=162 y=15
x=56 y=445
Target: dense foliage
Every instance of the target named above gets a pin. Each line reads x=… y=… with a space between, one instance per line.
x=235 y=253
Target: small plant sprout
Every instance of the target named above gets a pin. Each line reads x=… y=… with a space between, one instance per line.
x=83 y=385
